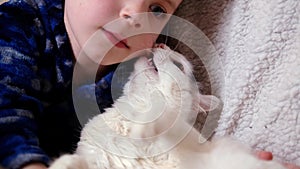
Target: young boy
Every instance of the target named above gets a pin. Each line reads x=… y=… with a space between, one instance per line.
x=40 y=41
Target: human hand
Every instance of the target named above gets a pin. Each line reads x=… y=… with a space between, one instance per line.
x=35 y=166
x=264 y=155
x=291 y=166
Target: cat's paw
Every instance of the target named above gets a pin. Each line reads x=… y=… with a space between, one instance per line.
x=73 y=161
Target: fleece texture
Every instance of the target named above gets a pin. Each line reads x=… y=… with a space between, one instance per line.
x=258 y=45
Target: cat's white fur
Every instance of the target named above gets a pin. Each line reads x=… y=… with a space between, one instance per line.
x=150 y=126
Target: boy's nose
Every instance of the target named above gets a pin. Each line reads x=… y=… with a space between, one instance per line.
x=132 y=13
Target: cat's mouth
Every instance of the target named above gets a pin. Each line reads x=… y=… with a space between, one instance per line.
x=152 y=64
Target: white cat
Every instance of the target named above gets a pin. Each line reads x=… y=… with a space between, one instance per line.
x=150 y=126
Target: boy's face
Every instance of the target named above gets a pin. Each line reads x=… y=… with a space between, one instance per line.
x=122 y=26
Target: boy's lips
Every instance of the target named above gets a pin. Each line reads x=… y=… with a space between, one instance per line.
x=116 y=39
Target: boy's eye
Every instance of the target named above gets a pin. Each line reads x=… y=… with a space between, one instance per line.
x=157 y=10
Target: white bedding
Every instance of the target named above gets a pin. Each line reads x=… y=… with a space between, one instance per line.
x=258 y=43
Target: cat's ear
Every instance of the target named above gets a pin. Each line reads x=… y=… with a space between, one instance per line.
x=209 y=102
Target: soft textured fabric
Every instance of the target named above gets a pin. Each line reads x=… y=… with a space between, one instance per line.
x=36 y=67
x=258 y=44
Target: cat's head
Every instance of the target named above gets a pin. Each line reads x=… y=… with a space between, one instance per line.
x=166 y=78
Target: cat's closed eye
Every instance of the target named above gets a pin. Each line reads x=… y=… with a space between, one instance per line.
x=179 y=65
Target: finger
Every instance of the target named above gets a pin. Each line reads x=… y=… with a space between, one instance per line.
x=291 y=166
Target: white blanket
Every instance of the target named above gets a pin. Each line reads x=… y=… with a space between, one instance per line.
x=258 y=42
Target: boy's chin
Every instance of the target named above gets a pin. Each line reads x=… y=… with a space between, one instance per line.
x=116 y=55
